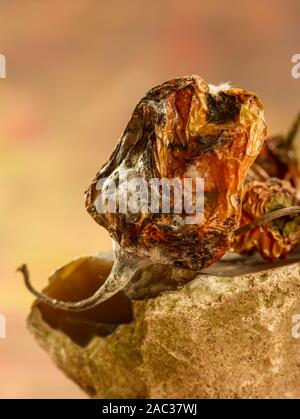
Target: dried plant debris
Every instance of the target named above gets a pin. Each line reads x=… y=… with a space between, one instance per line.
x=272 y=238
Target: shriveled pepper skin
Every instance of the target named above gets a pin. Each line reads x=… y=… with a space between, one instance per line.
x=280 y=161
x=278 y=156
x=185 y=128
x=277 y=238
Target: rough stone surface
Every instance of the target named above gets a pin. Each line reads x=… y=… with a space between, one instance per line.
x=216 y=337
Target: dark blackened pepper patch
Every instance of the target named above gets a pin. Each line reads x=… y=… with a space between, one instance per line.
x=222 y=107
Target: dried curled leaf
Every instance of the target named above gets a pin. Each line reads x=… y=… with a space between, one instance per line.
x=277 y=238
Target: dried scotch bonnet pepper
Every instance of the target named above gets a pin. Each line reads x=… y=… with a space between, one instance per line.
x=277 y=237
x=183 y=128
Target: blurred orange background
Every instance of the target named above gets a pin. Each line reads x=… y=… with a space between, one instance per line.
x=75 y=70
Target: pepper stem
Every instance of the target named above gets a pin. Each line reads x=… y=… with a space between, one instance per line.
x=266 y=218
x=121 y=273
